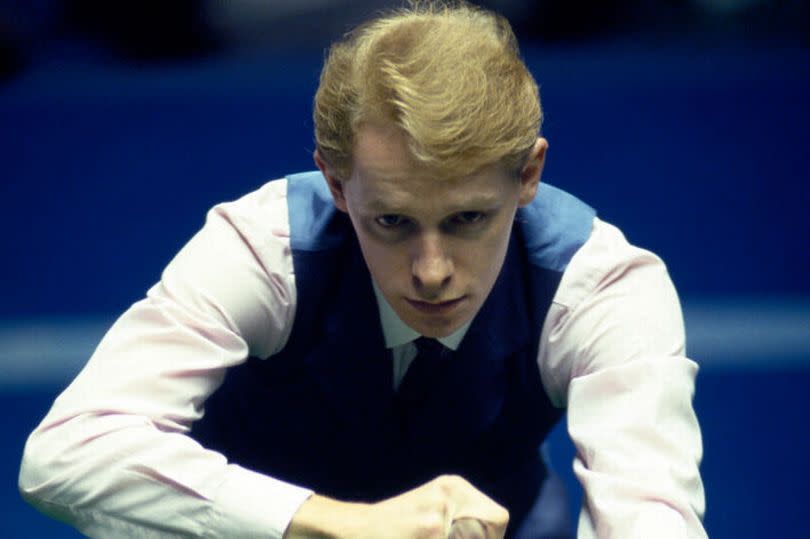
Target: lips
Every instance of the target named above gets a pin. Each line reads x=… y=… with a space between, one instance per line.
x=436 y=308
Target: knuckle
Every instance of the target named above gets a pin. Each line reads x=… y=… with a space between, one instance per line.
x=450 y=482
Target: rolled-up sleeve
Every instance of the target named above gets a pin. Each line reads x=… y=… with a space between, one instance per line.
x=613 y=352
x=112 y=456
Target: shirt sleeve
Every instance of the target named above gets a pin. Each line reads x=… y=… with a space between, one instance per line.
x=613 y=352
x=112 y=457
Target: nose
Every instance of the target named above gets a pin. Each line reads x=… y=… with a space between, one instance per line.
x=432 y=267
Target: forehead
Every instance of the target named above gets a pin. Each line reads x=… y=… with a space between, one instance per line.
x=385 y=176
x=382 y=151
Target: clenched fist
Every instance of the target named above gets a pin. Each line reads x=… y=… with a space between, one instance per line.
x=446 y=507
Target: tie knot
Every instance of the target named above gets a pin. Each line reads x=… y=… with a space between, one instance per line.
x=430 y=348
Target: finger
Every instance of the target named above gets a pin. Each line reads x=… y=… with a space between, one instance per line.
x=467 y=528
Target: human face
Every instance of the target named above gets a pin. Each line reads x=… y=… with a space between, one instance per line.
x=433 y=246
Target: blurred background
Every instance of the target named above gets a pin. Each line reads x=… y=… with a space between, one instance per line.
x=684 y=122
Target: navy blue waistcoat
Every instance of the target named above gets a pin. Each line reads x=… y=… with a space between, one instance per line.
x=321 y=412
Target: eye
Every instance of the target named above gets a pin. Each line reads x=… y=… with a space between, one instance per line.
x=391 y=220
x=469 y=217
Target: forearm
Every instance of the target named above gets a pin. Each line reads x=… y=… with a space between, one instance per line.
x=136 y=481
x=638 y=452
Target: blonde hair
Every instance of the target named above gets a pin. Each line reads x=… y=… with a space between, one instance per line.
x=448 y=74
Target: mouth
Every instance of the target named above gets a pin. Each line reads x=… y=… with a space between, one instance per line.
x=436 y=308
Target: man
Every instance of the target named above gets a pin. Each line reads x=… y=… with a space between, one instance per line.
x=378 y=349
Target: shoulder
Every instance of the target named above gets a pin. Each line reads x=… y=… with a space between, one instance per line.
x=297 y=208
x=606 y=259
x=264 y=209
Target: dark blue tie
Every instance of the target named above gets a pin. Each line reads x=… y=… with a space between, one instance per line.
x=424 y=373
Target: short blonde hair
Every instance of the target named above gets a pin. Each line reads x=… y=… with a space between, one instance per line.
x=448 y=74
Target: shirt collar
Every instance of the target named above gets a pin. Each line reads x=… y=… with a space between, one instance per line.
x=397 y=333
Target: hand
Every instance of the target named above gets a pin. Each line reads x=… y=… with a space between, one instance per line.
x=446 y=507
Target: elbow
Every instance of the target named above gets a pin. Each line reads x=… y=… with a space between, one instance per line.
x=45 y=477
x=33 y=481
x=40 y=484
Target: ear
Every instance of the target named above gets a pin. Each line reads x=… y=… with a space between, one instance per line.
x=335 y=184
x=531 y=172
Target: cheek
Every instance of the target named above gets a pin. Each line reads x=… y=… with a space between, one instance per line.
x=384 y=262
x=488 y=259
x=373 y=252
x=488 y=265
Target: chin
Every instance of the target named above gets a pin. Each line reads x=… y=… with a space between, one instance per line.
x=435 y=329
x=437 y=325
x=435 y=333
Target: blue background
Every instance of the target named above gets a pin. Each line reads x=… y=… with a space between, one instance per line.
x=698 y=152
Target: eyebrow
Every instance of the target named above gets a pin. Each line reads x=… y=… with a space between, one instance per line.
x=477 y=202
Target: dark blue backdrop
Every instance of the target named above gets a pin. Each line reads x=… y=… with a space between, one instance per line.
x=696 y=153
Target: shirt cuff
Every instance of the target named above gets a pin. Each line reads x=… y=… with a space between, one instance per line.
x=252 y=505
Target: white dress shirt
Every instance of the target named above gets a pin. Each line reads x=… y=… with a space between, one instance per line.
x=113 y=459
